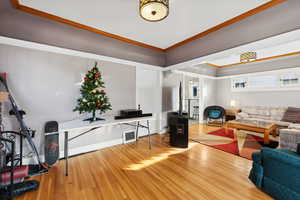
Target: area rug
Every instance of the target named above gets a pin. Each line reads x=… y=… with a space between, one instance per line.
x=244 y=146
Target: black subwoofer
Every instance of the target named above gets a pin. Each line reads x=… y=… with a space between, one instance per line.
x=178 y=129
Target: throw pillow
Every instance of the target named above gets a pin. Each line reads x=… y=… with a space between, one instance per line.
x=277 y=113
x=292 y=115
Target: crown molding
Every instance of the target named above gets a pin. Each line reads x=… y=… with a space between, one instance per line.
x=254 y=61
x=276 y=71
x=71 y=52
x=233 y=51
x=228 y=22
x=16 y=4
x=59 y=50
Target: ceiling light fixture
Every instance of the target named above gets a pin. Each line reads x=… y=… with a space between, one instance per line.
x=154 y=10
x=248 y=57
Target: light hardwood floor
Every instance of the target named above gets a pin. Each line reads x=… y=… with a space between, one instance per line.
x=134 y=172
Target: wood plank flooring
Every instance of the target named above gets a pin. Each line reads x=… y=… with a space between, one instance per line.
x=134 y=172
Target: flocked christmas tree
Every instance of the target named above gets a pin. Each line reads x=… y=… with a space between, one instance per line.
x=93 y=96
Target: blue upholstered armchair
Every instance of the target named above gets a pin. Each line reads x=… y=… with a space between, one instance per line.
x=277 y=172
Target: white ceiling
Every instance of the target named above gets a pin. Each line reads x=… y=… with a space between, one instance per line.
x=261 y=53
x=187 y=17
x=274 y=46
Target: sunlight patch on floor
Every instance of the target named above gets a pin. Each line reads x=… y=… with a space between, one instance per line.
x=157 y=158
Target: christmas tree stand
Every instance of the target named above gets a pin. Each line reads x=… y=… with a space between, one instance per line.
x=93 y=118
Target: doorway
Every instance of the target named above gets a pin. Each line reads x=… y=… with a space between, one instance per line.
x=192 y=98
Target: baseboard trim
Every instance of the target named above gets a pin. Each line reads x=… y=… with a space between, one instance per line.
x=86 y=149
x=91 y=147
x=78 y=150
x=163 y=131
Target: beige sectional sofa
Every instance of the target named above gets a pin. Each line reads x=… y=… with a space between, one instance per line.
x=289 y=133
x=261 y=113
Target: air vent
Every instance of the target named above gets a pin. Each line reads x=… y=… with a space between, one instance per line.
x=129 y=136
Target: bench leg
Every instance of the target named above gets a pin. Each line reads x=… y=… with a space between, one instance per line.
x=267 y=137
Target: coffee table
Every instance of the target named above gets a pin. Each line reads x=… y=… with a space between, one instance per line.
x=251 y=125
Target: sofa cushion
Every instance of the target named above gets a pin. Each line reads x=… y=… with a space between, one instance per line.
x=279 y=123
x=280 y=173
x=266 y=117
x=256 y=110
x=282 y=166
x=278 y=190
x=248 y=110
x=294 y=126
x=243 y=115
x=292 y=115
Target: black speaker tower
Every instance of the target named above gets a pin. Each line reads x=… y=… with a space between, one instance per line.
x=178 y=124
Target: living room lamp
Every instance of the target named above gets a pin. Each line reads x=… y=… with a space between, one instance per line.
x=233 y=103
x=154 y=10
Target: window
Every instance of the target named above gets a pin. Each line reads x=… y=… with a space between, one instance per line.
x=289 y=79
x=278 y=81
x=239 y=83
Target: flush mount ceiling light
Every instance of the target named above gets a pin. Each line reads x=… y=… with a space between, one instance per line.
x=154 y=10
x=248 y=56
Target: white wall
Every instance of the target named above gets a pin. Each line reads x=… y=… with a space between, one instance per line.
x=46 y=86
x=263 y=98
x=149 y=96
x=170 y=94
x=209 y=92
x=170 y=87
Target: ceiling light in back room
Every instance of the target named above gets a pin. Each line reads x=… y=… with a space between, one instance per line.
x=248 y=56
